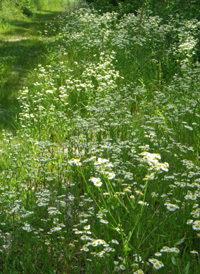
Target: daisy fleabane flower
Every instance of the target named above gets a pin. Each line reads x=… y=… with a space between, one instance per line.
x=75 y=162
x=96 y=181
x=156 y=263
x=171 y=207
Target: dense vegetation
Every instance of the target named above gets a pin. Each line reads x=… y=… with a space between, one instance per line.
x=185 y=8
x=101 y=173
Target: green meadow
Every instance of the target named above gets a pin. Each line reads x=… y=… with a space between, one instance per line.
x=100 y=137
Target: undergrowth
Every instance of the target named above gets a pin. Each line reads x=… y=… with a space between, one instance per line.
x=102 y=175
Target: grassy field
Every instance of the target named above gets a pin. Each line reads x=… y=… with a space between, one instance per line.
x=24 y=42
x=100 y=173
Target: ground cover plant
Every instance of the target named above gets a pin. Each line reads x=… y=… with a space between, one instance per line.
x=102 y=173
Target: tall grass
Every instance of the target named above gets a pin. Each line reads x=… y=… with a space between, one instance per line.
x=102 y=175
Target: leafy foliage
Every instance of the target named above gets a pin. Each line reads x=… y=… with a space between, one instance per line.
x=187 y=9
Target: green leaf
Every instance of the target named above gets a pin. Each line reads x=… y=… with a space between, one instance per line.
x=180 y=241
x=126 y=248
x=174 y=260
x=187 y=268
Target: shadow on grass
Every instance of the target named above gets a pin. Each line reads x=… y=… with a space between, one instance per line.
x=21 y=49
x=35 y=25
